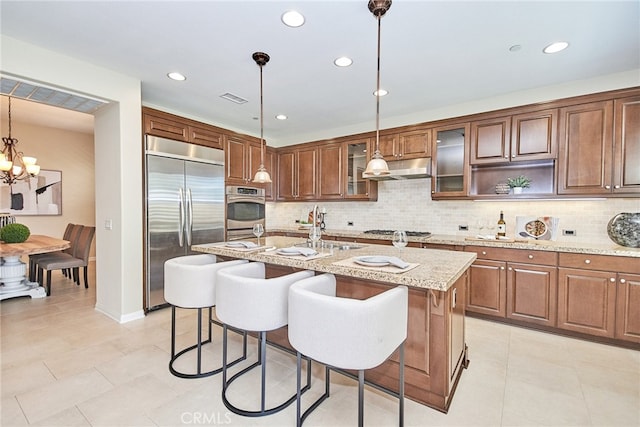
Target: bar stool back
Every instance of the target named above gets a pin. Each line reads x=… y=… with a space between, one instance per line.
x=190 y=283
x=248 y=301
x=346 y=333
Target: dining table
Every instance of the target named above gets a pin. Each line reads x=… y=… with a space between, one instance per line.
x=13 y=271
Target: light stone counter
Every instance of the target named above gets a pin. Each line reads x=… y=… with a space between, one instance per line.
x=437 y=269
x=535 y=245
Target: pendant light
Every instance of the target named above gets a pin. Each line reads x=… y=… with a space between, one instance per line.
x=14 y=165
x=262 y=176
x=377 y=166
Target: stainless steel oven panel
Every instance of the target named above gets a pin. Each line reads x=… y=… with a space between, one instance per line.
x=245 y=207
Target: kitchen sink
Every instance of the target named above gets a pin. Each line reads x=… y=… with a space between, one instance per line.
x=343 y=246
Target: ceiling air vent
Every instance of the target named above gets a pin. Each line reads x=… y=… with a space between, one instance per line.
x=233 y=98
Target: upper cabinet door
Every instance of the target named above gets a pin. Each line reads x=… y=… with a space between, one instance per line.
x=307 y=173
x=626 y=167
x=330 y=171
x=165 y=127
x=415 y=144
x=235 y=154
x=586 y=145
x=388 y=146
x=490 y=140
x=534 y=135
x=450 y=161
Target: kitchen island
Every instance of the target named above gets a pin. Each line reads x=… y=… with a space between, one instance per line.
x=435 y=350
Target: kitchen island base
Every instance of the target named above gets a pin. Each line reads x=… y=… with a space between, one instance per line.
x=435 y=349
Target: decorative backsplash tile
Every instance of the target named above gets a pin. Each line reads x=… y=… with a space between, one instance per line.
x=407 y=205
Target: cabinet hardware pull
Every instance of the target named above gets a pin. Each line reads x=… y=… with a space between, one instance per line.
x=623 y=281
x=587 y=261
x=506 y=157
x=616 y=186
x=513 y=156
x=501 y=268
x=484 y=252
x=530 y=256
x=434 y=298
x=613 y=279
x=608 y=187
x=510 y=268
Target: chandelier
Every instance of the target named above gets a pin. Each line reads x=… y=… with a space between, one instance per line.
x=14 y=165
x=262 y=176
x=377 y=166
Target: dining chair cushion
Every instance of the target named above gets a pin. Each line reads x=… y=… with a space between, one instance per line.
x=248 y=301
x=344 y=332
x=189 y=281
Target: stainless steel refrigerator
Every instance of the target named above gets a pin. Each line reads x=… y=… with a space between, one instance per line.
x=184 y=206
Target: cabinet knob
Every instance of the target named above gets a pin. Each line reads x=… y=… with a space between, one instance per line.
x=506 y=157
x=513 y=156
x=608 y=187
x=484 y=252
x=623 y=281
x=587 y=261
x=502 y=268
x=616 y=186
x=613 y=279
x=510 y=268
x=530 y=256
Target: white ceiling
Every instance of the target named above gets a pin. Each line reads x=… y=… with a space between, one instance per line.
x=434 y=54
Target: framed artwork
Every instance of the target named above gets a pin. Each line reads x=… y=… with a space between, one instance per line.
x=40 y=195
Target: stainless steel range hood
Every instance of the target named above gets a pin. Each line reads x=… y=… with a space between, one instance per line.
x=407 y=169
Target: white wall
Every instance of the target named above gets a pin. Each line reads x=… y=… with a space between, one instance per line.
x=118 y=163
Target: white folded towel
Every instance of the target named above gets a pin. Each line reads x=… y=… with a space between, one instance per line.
x=395 y=261
x=298 y=250
x=241 y=244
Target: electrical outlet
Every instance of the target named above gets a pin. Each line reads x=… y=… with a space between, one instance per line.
x=569 y=232
x=350 y=223
x=463 y=228
x=297 y=221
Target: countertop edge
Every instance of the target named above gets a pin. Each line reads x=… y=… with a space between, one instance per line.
x=443 y=239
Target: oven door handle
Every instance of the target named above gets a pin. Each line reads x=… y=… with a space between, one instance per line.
x=181 y=217
x=189 y=208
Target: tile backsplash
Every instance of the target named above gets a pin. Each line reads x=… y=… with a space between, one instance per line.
x=407 y=204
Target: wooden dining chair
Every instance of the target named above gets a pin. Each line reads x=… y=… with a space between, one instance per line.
x=80 y=258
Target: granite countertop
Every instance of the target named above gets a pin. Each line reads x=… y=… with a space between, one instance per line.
x=529 y=244
x=437 y=269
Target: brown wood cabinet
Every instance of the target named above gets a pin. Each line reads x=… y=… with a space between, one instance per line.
x=331 y=174
x=586 y=148
x=413 y=144
x=242 y=159
x=526 y=136
x=165 y=125
x=297 y=174
x=626 y=144
x=356 y=155
x=628 y=308
x=513 y=283
x=597 y=295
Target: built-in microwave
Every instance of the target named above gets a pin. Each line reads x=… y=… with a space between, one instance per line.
x=245 y=207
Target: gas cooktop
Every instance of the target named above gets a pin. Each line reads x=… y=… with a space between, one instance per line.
x=409 y=233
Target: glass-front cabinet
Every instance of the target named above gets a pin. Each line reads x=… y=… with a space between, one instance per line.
x=450 y=154
x=357 y=152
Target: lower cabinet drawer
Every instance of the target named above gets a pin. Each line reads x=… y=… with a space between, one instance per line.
x=600 y=262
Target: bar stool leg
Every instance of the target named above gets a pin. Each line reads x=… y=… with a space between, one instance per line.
x=360 y=398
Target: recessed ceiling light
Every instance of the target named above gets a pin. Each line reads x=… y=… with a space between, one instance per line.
x=281 y=117
x=383 y=92
x=176 y=76
x=343 y=61
x=556 y=47
x=293 y=19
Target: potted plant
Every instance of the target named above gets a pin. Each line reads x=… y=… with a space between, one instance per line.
x=518 y=183
x=14 y=233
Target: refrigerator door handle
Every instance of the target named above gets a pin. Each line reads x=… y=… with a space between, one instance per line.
x=189 y=229
x=181 y=213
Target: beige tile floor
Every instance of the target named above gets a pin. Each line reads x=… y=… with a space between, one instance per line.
x=64 y=364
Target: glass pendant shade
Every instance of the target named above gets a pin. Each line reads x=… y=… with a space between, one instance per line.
x=262 y=176
x=377 y=166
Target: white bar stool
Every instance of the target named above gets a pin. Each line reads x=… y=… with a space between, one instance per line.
x=190 y=282
x=346 y=333
x=246 y=300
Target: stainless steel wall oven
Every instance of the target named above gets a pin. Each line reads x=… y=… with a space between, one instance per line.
x=245 y=207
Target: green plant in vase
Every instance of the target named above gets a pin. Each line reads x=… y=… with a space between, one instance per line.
x=518 y=183
x=14 y=233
